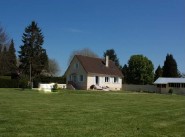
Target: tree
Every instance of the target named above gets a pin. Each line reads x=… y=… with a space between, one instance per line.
x=53 y=67
x=125 y=73
x=12 y=57
x=140 y=70
x=32 y=55
x=84 y=52
x=4 y=62
x=4 y=42
x=158 y=72
x=170 y=67
x=112 y=56
x=4 y=39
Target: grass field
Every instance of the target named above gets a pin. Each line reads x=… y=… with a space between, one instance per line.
x=90 y=114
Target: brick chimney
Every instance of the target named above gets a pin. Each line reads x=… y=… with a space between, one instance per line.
x=107 y=61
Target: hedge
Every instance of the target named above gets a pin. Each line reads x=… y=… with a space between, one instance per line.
x=9 y=83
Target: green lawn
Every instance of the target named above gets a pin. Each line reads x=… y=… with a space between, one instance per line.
x=90 y=114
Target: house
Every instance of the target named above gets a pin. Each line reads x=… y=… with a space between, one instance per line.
x=176 y=84
x=87 y=72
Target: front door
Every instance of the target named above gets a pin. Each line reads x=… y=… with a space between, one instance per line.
x=97 y=80
x=74 y=78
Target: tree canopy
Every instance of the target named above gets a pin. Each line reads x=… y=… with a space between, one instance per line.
x=140 y=70
x=31 y=52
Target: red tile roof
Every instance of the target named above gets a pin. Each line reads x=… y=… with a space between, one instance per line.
x=97 y=66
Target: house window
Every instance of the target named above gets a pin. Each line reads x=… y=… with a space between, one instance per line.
x=76 y=65
x=183 y=85
x=115 y=79
x=174 y=85
x=81 y=78
x=106 y=79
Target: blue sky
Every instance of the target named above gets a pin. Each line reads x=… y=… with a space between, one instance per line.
x=149 y=27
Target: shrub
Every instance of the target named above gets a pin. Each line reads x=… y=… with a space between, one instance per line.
x=55 y=87
x=170 y=91
x=23 y=83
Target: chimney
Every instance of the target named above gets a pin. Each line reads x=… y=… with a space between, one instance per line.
x=107 y=61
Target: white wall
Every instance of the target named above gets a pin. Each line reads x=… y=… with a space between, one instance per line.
x=91 y=80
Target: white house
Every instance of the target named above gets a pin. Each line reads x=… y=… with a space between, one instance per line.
x=87 y=72
x=176 y=84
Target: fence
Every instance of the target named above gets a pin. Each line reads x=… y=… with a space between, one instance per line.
x=148 y=88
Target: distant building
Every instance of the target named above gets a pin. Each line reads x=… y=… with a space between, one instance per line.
x=176 y=84
x=88 y=72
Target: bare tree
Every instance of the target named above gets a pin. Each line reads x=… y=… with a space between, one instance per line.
x=53 y=67
x=85 y=52
x=4 y=39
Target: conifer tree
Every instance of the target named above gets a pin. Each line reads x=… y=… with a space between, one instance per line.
x=4 y=60
x=31 y=54
x=170 y=67
x=158 y=72
x=12 y=57
x=112 y=56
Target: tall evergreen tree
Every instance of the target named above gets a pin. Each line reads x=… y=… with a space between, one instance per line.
x=170 y=67
x=158 y=72
x=31 y=53
x=12 y=57
x=112 y=56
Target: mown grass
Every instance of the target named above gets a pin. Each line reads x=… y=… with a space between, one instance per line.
x=90 y=114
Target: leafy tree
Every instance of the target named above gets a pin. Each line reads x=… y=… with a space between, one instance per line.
x=125 y=73
x=112 y=56
x=170 y=67
x=12 y=57
x=85 y=52
x=140 y=70
x=158 y=72
x=31 y=52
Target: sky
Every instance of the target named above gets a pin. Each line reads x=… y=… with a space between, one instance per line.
x=152 y=28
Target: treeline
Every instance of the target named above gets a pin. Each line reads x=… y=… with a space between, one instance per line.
x=140 y=70
x=32 y=62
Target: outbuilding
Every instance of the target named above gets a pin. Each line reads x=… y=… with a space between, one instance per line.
x=165 y=84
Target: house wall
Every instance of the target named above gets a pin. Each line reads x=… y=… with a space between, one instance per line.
x=77 y=71
x=91 y=80
x=179 y=90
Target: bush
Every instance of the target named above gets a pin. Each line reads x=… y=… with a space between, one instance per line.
x=23 y=83
x=170 y=91
x=55 y=87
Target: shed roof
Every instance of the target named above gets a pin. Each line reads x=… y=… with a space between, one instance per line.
x=163 y=80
